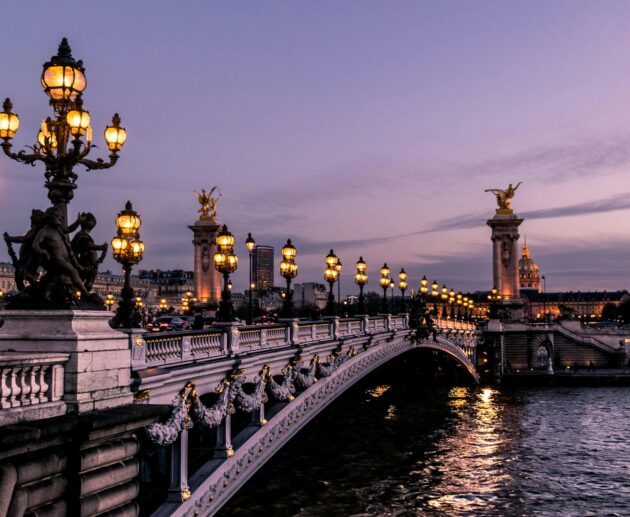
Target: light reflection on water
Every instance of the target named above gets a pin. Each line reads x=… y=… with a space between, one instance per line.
x=454 y=452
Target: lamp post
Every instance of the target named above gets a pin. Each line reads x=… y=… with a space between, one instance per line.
x=444 y=299
x=250 y=243
x=330 y=275
x=494 y=297
x=65 y=139
x=109 y=301
x=459 y=299
x=392 y=286
x=451 y=301
x=128 y=250
x=402 y=285
x=361 y=279
x=225 y=262
x=435 y=293
x=289 y=270
x=544 y=297
x=163 y=305
x=384 y=283
x=338 y=268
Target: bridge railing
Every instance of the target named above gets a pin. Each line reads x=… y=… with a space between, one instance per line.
x=165 y=348
x=31 y=384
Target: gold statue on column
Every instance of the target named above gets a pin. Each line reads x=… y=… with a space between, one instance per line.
x=504 y=198
x=208 y=203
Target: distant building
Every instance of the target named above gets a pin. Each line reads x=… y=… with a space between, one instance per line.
x=528 y=272
x=310 y=294
x=584 y=305
x=7 y=277
x=262 y=267
x=171 y=285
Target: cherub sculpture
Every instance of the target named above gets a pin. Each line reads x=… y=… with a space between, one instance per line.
x=504 y=197
x=208 y=203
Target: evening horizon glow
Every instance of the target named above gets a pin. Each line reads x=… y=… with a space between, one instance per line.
x=372 y=128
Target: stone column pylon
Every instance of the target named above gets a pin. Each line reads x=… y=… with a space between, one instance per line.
x=505 y=253
x=207 y=279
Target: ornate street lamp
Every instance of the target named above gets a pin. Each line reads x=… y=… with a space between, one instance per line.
x=338 y=268
x=361 y=279
x=435 y=294
x=402 y=285
x=451 y=301
x=444 y=298
x=250 y=243
x=288 y=270
x=163 y=305
x=494 y=297
x=65 y=139
x=109 y=301
x=392 y=286
x=423 y=289
x=128 y=250
x=460 y=301
x=384 y=283
x=225 y=262
x=330 y=275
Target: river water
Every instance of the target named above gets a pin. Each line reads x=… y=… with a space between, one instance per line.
x=394 y=445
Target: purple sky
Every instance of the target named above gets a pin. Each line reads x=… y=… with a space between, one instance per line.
x=370 y=127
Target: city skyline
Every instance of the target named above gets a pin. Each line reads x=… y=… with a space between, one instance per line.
x=375 y=136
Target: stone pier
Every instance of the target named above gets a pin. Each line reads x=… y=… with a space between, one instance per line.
x=207 y=278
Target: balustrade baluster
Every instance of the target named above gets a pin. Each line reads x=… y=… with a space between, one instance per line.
x=25 y=400
x=5 y=388
x=45 y=381
x=15 y=387
x=35 y=387
x=24 y=386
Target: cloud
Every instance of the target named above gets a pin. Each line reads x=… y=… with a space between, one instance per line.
x=557 y=163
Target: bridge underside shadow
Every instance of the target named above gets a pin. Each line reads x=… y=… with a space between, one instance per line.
x=219 y=479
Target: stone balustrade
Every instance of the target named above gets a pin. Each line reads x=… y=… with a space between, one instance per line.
x=31 y=386
x=175 y=347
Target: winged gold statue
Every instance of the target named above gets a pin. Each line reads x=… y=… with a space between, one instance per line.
x=504 y=197
x=208 y=203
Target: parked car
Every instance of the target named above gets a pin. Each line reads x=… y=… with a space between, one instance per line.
x=166 y=323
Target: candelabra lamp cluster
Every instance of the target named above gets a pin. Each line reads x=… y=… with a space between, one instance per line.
x=64 y=141
x=331 y=274
x=250 y=243
x=128 y=250
x=109 y=301
x=288 y=270
x=494 y=297
x=188 y=301
x=361 y=279
x=163 y=305
x=225 y=262
x=435 y=294
x=402 y=285
x=384 y=283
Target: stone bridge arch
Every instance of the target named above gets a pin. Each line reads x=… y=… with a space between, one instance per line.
x=215 y=482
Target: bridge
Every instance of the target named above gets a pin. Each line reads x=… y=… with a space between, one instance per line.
x=282 y=375
x=209 y=408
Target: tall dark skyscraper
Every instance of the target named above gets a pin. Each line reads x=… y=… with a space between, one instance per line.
x=262 y=265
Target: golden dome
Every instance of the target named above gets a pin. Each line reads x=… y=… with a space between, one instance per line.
x=528 y=272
